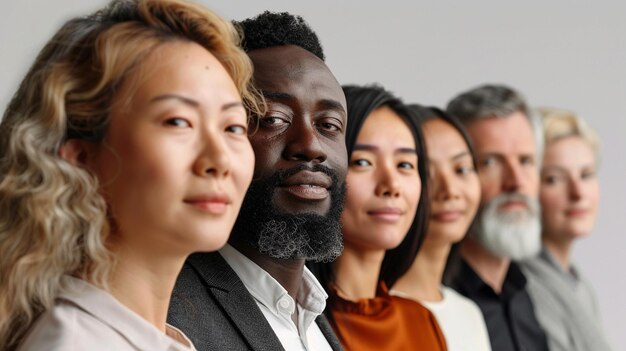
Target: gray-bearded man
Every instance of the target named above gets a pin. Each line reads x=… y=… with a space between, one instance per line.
x=507 y=226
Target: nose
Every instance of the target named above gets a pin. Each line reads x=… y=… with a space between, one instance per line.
x=213 y=159
x=303 y=143
x=387 y=184
x=513 y=177
x=444 y=186
x=575 y=190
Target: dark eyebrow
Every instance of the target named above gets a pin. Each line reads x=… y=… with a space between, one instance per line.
x=274 y=95
x=331 y=105
x=325 y=103
x=372 y=148
x=193 y=103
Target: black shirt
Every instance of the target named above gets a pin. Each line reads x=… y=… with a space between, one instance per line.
x=510 y=316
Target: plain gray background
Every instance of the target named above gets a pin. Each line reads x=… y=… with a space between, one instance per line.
x=567 y=54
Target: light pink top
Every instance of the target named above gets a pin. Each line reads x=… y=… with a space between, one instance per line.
x=85 y=317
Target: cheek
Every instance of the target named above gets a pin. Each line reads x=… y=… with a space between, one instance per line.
x=489 y=188
x=472 y=195
x=594 y=195
x=552 y=198
x=412 y=189
x=355 y=200
x=242 y=161
x=267 y=153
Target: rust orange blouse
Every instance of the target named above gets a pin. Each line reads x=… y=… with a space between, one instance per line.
x=385 y=323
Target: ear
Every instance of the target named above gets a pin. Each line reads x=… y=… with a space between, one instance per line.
x=76 y=151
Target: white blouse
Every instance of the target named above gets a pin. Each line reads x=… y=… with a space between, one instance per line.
x=85 y=317
x=460 y=320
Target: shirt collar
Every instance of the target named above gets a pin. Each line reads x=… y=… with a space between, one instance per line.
x=571 y=274
x=108 y=310
x=267 y=291
x=468 y=280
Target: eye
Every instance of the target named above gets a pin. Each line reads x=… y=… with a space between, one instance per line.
x=237 y=129
x=588 y=174
x=551 y=179
x=330 y=125
x=361 y=162
x=488 y=161
x=177 y=122
x=464 y=170
x=527 y=160
x=406 y=165
x=273 y=121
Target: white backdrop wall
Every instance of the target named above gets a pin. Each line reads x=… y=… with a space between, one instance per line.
x=569 y=54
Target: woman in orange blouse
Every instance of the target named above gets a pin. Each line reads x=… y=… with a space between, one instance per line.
x=383 y=221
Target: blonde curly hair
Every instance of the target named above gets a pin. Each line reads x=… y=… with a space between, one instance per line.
x=53 y=220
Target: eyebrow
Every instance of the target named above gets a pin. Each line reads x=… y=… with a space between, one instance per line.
x=324 y=103
x=331 y=105
x=193 y=103
x=274 y=95
x=460 y=155
x=373 y=148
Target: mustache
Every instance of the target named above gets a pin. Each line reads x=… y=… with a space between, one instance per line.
x=502 y=198
x=279 y=176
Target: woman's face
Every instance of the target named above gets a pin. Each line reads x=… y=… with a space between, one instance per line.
x=383 y=184
x=454 y=185
x=176 y=161
x=569 y=190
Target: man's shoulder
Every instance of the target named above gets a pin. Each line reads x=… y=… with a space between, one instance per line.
x=212 y=306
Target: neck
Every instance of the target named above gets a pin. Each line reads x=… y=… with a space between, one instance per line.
x=358 y=271
x=287 y=272
x=422 y=281
x=561 y=250
x=491 y=268
x=144 y=282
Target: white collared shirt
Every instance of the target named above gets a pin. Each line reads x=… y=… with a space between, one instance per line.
x=277 y=306
x=85 y=317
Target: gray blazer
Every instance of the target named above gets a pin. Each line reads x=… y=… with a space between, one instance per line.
x=211 y=305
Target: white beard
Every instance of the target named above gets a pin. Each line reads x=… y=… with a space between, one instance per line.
x=516 y=234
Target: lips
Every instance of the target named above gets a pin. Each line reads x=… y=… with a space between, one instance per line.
x=386 y=214
x=211 y=203
x=308 y=185
x=447 y=216
x=576 y=212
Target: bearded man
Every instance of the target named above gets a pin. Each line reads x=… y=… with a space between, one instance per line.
x=507 y=226
x=256 y=293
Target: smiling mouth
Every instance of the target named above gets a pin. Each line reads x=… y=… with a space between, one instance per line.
x=307 y=191
x=216 y=205
x=387 y=214
x=447 y=216
x=308 y=185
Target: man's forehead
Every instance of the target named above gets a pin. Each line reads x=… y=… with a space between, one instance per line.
x=515 y=128
x=293 y=70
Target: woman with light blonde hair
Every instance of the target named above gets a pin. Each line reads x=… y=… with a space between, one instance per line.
x=564 y=301
x=123 y=151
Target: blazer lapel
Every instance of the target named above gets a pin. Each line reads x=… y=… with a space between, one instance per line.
x=230 y=293
x=328 y=332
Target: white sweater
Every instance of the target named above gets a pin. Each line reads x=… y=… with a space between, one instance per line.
x=460 y=320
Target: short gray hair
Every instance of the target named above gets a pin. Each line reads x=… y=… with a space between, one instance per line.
x=493 y=100
x=487 y=100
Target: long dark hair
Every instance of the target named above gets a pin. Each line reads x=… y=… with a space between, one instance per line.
x=454 y=258
x=362 y=101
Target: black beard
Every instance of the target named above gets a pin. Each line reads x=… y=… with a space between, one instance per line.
x=291 y=236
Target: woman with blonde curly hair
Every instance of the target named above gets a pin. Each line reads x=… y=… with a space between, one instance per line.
x=123 y=151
